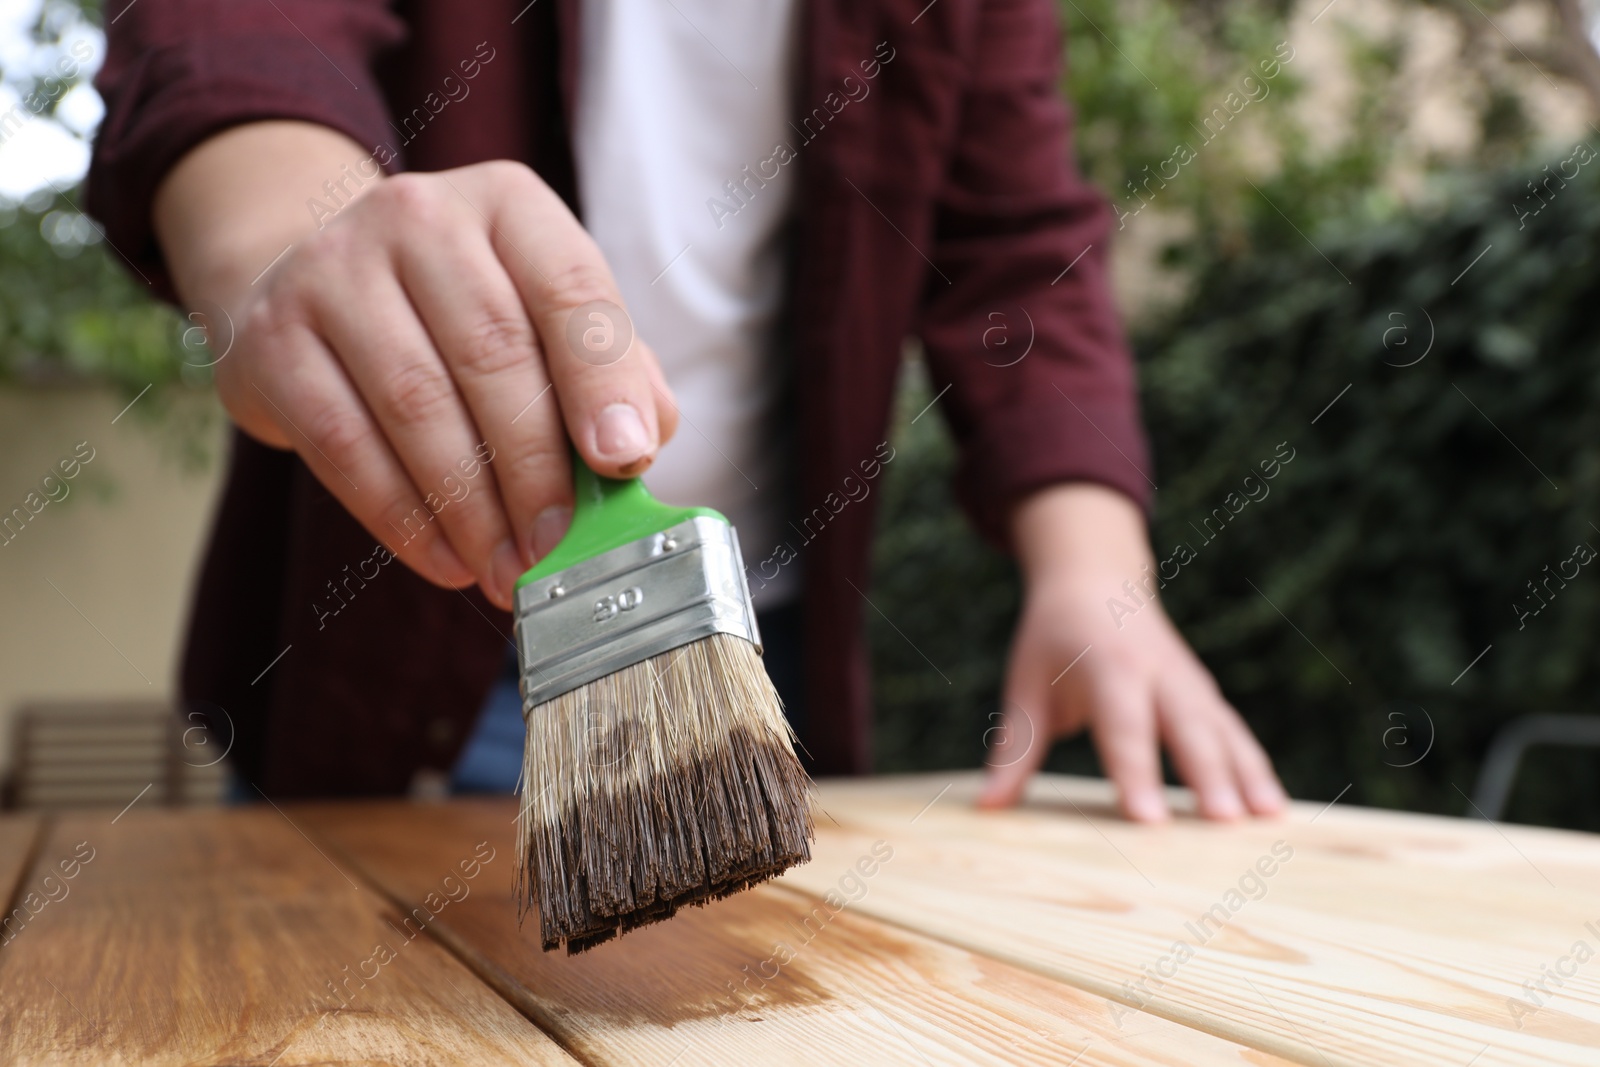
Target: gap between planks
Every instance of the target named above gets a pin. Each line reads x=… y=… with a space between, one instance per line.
x=1259 y=1039
x=865 y=817
x=1237 y=1035
x=584 y=1007
x=496 y=979
x=230 y=919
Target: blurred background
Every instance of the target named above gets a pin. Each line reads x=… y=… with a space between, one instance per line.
x=1359 y=233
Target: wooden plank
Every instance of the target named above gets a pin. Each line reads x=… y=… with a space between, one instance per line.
x=717 y=985
x=223 y=937
x=1348 y=860
x=1380 y=938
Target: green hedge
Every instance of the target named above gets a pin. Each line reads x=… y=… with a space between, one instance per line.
x=1414 y=514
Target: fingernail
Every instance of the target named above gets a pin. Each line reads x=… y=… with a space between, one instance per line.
x=505 y=567
x=619 y=433
x=447 y=565
x=1222 y=804
x=1146 y=805
x=549 y=528
x=1265 y=798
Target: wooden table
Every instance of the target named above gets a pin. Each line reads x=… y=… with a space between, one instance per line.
x=922 y=933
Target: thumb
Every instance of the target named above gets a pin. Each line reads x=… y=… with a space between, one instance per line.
x=666 y=401
x=1017 y=745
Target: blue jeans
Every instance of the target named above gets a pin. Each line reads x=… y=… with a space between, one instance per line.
x=492 y=758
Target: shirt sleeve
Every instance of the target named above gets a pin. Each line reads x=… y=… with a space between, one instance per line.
x=179 y=71
x=1019 y=321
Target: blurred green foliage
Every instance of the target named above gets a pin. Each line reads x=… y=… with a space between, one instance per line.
x=1145 y=75
x=1458 y=464
x=71 y=309
x=1421 y=504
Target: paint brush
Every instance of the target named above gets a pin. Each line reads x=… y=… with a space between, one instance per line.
x=658 y=770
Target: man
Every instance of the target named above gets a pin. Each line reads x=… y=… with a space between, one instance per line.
x=779 y=194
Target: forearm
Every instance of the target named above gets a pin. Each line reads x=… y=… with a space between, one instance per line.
x=236 y=201
x=1076 y=530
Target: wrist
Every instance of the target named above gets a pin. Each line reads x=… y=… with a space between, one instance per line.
x=1080 y=534
x=237 y=200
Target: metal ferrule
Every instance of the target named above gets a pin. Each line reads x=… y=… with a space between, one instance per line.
x=617 y=609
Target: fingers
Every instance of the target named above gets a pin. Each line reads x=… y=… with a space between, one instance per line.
x=250 y=411
x=246 y=405
x=445 y=321
x=1263 y=793
x=666 y=401
x=1126 y=737
x=1214 y=752
x=477 y=320
x=1191 y=721
x=412 y=396
x=1019 y=744
x=602 y=371
x=316 y=410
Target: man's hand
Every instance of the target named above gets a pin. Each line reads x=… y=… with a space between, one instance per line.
x=1132 y=681
x=413 y=335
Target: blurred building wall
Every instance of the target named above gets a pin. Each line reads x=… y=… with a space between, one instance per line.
x=121 y=547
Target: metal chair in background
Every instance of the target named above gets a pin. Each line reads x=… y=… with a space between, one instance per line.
x=1499 y=772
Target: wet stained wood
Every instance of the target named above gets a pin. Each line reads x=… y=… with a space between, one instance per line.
x=1332 y=936
x=224 y=937
x=771 y=976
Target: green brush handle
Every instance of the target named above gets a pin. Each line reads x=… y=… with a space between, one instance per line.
x=608 y=513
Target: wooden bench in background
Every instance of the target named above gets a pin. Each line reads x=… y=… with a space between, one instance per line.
x=82 y=754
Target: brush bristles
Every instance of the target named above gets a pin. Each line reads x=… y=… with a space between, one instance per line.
x=667 y=783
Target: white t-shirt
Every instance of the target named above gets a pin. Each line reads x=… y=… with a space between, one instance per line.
x=680 y=106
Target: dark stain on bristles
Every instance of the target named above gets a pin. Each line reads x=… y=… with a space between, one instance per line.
x=669 y=783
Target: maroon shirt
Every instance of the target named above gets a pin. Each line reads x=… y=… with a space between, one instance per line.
x=942 y=199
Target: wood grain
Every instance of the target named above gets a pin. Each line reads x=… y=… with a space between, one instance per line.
x=1356 y=863
x=1383 y=939
x=223 y=937
x=716 y=985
